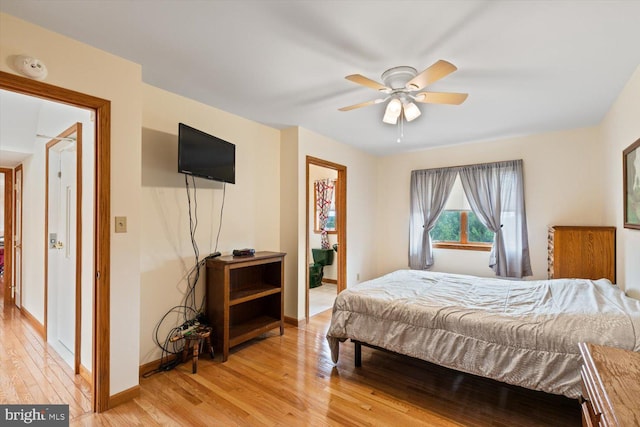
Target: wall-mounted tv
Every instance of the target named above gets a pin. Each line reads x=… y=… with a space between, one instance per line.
x=206 y=156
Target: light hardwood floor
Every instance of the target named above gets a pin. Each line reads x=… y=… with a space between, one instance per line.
x=284 y=380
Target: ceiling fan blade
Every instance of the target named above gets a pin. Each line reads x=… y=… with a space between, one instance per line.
x=365 y=81
x=432 y=74
x=362 y=104
x=441 y=97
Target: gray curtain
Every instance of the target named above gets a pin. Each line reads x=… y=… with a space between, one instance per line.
x=430 y=189
x=495 y=192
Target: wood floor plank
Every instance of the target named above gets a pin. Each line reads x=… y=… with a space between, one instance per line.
x=276 y=380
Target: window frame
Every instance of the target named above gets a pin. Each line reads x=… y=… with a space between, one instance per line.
x=464 y=243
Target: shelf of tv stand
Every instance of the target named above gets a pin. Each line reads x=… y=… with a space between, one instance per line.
x=251 y=292
x=245 y=297
x=251 y=329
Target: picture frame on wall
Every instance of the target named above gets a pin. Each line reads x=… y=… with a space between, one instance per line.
x=631 y=185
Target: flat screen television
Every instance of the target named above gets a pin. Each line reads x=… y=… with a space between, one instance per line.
x=206 y=156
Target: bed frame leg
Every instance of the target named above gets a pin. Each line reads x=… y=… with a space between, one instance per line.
x=357 y=353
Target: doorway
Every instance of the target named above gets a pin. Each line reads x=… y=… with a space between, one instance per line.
x=6 y=234
x=101 y=247
x=326 y=233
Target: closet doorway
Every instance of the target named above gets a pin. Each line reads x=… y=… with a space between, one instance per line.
x=326 y=234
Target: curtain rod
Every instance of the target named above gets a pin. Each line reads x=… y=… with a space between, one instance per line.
x=468 y=165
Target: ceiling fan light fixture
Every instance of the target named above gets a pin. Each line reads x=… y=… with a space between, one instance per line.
x=390 y=118
x=392 y=112
x=411 y=111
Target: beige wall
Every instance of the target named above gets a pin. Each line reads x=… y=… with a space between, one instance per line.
x=297 y=144
x=620 y=128
x=361 y=197
x=563 y=186
x=251 y=215
x=289 y=219
x=76 y=66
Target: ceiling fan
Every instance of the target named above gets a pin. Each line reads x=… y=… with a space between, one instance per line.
x=400 y=83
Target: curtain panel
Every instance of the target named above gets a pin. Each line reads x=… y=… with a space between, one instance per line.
x=430 y=189
x=495 y=192
x=324 y=196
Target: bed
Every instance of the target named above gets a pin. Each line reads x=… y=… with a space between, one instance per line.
x=524 y=333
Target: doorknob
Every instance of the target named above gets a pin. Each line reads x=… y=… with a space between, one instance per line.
x=57 y=245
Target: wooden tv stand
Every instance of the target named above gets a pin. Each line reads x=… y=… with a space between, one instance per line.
x=245 y=297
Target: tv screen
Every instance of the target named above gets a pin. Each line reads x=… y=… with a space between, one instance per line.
x=205 y=155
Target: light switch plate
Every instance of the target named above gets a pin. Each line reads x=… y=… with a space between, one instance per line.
x=121 y=224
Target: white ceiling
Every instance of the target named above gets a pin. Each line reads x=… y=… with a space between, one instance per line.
x=23 y=117
x=528 y=66
x=18 y=124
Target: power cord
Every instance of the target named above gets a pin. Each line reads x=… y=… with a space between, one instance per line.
x=191 y=314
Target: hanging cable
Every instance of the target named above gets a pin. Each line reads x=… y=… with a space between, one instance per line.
x=190 y=311
x=224 y=194
x=194 y=273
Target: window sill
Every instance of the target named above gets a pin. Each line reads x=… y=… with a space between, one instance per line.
x=328 y=231
x=463 y=246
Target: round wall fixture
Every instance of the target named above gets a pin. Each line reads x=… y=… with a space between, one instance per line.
x=30 y=67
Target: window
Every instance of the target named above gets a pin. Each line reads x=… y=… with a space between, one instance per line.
x=330 y=227
x=458 y=227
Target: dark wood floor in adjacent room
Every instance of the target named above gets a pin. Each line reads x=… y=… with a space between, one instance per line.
x=283 y=380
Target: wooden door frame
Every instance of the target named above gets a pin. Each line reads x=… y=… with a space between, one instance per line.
x=341 y=219
x=77 y=129
x=8 y=236
x=102 y=210
x=18 y=268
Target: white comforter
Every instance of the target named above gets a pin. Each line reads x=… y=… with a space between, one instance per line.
x=520 y=332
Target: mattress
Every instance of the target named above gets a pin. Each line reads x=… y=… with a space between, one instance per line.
x=524 y=333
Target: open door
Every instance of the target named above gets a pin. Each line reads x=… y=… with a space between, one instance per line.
x=63 y=231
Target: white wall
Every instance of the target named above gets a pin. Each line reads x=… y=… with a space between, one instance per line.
x=251 y=215
x=620 y=128
x=563 y=186
x=82 y=68
x=316 y=173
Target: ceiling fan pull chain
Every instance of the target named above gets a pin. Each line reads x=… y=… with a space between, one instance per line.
x=400 y=129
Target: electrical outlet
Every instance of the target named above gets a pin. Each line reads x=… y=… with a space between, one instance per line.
x=121 y=224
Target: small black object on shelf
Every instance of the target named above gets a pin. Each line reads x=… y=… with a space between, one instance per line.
x=244 y=252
